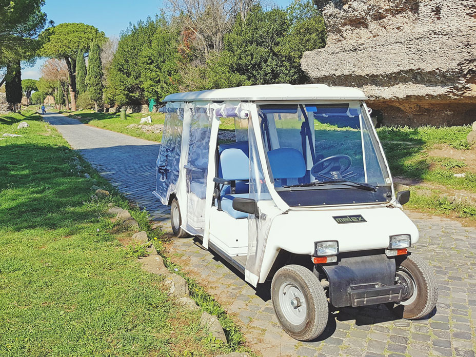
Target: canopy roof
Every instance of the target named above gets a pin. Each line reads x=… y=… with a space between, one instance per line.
x=271 y=92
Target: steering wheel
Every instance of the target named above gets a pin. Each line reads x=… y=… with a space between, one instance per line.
x=334 y=166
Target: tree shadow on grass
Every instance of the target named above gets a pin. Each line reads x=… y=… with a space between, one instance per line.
x=41 y=187
x=18 y=117
x=400 y=146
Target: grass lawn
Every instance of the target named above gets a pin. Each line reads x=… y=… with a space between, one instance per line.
x=431 y=157
x=67 y=286
x=113 y=122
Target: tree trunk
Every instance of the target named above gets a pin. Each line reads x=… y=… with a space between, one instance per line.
x=72 y=81
x=96 y=106
x=66 y=99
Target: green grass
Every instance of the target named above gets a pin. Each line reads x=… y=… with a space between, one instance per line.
x=406 y=151
x=67 y=286
x=113 y=122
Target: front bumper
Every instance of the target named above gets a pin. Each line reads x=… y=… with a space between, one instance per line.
x=363 y=280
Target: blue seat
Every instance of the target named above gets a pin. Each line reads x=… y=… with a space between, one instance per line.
x=234 y=166
x=287 y=166
x=227 y=205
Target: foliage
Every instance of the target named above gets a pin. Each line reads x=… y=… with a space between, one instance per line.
x=94 y=77
x=28 y=86
x=66 y=287
x=46 y=86
x=267 y=47
x=59 y=98
x=84 y=101
x=38 y=97
x=125 y=74
x=64 y=41
x=159 y=64
x=13 y=83
x=81 y=73
x=21 y=22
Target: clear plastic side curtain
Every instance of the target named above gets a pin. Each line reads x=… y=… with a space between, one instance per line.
x=196 y=167
x=169 y=153
x=259 y=224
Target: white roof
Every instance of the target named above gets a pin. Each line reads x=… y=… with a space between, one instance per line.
x=271 y=92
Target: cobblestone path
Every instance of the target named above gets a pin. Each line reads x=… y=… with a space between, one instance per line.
x=373 y=331
x=127 y=162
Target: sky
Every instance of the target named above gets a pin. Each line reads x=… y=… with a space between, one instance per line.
x=110 y=16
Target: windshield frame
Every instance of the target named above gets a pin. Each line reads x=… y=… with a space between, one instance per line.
x=383 y=193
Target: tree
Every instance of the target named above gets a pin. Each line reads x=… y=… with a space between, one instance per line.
x=21 y=22
x=13 y=84
x=59 y=97
x=124 y=83
x=94 y=78
x=54 y=71
x=160 y=64
x=64 y=41
x=267 y=47
x=28 y=86
x=209 y=20
x=81 y=73
x=38 y=98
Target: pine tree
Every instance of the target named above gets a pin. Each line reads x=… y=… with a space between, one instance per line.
x=59 y=99
x=94 y=77
x=13 y=84
x=80 y=73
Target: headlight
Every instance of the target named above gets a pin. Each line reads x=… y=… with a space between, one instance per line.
x=323 y=249
x=400 y=241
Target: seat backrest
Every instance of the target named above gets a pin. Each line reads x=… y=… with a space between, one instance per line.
x=286 y=163
x=234 y=164
x=242 y=145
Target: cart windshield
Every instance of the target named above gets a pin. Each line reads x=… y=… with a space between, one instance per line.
x=323 y=147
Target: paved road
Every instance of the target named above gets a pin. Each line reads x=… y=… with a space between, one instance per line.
x=373 y=331
x=127 y=162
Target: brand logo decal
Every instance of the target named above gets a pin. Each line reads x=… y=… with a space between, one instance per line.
x=349 y=219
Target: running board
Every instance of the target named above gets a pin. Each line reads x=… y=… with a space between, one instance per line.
x=227 y=258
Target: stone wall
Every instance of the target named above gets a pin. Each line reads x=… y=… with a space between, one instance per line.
x=4 y=107
x=414 y=59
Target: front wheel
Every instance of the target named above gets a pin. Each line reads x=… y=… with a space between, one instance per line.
x=418 y=278
x=176 y=220
x=300 y=302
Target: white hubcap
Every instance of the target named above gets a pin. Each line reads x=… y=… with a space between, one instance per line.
x=292 y=303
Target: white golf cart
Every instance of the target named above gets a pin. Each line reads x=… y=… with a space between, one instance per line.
x=300 y=194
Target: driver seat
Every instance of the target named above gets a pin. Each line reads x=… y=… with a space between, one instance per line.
x=287 y=166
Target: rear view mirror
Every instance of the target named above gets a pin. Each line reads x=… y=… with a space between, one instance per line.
x=246 y=205
x=403 y=197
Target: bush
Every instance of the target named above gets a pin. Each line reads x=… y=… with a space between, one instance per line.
x=84 y=101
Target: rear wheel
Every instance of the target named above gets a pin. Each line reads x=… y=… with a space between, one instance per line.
x=300 y=302
x=176 y=220
x=417 y=278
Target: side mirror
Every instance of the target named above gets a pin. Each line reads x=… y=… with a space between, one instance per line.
x=246 y=205
x=403 y=197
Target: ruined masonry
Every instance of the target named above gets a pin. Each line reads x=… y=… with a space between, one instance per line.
x=414 y=59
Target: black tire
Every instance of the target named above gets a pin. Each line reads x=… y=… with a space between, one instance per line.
x=176 y=220
x=309 y=323
x=425 y=289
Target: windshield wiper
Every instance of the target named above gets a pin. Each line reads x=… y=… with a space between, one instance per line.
x=362 y=186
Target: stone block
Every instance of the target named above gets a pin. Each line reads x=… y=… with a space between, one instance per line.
x=177 y=286
x=213 y=325
x=471 y=137
x=101 y=193
x=141 y=237
x=23 y=125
